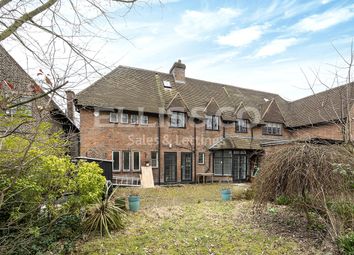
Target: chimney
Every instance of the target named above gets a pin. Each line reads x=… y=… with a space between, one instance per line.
x=70 y=96
x=178 y=71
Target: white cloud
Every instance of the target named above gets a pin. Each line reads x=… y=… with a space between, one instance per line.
x=325 y=20
x=241 y=37
x=276 y=46
x=196 y=24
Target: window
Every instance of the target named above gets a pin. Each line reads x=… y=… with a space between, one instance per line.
x=241 y=126
x=201 y=156
x=218 y=163
x=223 y=163
x=178 y=119
x=212 y=122
x=113 y=117
x=124 y=118
x=144 y=120
x=272 y=129
x=126 y=160
x=134 y=119
x=115 y=159
x=154 y=159
x=136 y=161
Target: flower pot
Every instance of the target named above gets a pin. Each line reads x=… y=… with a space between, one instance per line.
x=226 y=194
x=134 y=203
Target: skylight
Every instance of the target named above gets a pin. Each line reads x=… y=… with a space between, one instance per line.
x=167 y=84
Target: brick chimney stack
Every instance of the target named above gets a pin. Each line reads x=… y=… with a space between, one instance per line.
x=70 y=96
x=178 y=71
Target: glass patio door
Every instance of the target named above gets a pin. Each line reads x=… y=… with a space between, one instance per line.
x=170 y=164
x=186 y=166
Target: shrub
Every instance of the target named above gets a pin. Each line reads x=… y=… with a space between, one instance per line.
x=311 y=175
x=346 y=243
x=283 y=200
x=104 y=216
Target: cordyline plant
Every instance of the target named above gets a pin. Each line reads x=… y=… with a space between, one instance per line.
x=316 y=178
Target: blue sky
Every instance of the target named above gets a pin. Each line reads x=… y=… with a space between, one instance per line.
x=264 y=45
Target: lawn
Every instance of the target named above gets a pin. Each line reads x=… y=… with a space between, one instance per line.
x=192 y=219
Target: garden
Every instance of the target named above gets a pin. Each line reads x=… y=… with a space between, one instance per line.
x=193 y=219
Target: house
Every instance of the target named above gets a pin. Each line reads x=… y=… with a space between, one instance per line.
x=17 y=86
x=186 y=128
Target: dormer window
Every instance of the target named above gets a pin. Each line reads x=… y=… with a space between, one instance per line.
x=272 y=129
x=178 y=119
x=212 y=122
x=241 y=126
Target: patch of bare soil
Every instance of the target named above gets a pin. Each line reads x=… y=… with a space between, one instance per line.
x=282 y=221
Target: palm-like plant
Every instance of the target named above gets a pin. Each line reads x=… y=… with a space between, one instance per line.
x=104 y=216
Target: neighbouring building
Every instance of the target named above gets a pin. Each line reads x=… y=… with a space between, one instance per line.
x=185 y=127
x=17 y=86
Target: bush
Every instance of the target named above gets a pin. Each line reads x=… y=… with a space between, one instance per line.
x=346 y=244
x=311 y=175
x=104 y=216
x=283 y=200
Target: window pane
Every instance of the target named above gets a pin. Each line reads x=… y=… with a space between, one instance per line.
x=124 y=118
x=174 y=119
x=134 y=119
x=115 y=158
x=218 y=166
x=201 y=158
x=215 y=123
x=154 y=158
x=126 y=160
x=113 y=117
x=209 y=122
x=136 y=156
x=227 y=164
x=181 y=119
x=144 y=120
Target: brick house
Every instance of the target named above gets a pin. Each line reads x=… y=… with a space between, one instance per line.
x=17 y=86
x=185 y=127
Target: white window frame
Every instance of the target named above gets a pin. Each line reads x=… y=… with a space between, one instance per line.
x=116 y=120
x=241 y=123
x=119 y=161
x=142 y=118
x=133 y=163
x=137 y=119
x=123 y=160
x=178 y=120
x=122 y=115
x=212 y=120
x=157 y=160
x=269 y=128
x=203 y=153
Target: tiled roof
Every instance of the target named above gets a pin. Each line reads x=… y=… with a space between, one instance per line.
x=230 y=143
x=133 y=89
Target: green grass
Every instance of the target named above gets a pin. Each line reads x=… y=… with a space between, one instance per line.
x=189 y=220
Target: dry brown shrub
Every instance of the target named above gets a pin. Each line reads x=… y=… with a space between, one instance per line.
x=314 y=177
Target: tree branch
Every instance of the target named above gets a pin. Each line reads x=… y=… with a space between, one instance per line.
x=24 y=18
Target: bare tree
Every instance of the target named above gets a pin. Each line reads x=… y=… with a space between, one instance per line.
x=336 y=108
x=58 y=34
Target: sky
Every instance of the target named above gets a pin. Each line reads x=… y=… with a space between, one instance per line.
x=273 y=46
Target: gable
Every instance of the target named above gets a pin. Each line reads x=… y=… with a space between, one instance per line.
x=212 y=108
x=177 y=104
x=273 y=113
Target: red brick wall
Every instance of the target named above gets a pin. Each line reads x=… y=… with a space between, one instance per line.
x=326 y=131
x=99 y=138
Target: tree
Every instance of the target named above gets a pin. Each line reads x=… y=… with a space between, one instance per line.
x=329 y=106
x=57 y=34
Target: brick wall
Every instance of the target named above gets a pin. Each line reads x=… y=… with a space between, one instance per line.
x=99 y=138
